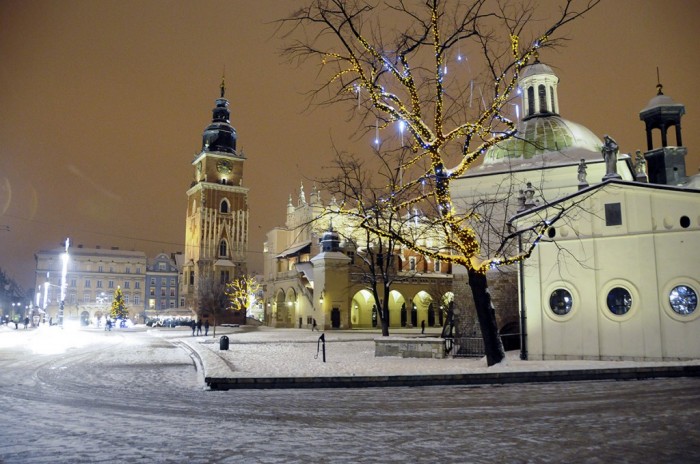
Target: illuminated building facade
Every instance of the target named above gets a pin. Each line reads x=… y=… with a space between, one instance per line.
x=313 y=271
x=92 y=277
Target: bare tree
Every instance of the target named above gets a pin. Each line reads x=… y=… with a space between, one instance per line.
x=364 y=192
x=212 y=299
x=388 y=60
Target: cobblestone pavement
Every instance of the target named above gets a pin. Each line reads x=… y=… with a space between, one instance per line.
x=128 y=397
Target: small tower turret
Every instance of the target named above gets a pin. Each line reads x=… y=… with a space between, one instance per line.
x=665 y=164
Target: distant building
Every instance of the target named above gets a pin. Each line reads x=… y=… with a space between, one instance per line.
x=93 y=275
x=216 y=223
x=162 y=298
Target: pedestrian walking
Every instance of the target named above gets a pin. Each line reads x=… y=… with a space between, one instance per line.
x=206 y=327
x=199 y=327
x=193 y=326
x=26 y=322
x=313 y=325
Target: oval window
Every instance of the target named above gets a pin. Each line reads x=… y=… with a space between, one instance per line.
x=619 y=301
x=561 y=301
x=683 y=299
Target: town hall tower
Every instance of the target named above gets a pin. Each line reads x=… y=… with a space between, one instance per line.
x=216 y=226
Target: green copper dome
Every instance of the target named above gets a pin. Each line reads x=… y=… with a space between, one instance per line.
x=550 y=136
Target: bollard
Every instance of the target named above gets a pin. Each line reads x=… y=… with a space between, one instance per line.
x=223 y=343
x=322 y=338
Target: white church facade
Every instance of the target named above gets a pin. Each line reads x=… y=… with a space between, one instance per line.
x=616 y=275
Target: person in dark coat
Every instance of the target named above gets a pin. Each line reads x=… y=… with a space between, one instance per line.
x=206 y=327
x=199 y=327
x=422 y=326
x=193 y=326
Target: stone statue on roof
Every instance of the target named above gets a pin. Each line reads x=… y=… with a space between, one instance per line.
x=610 y=150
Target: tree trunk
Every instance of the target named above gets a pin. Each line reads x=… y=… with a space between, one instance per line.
x=385 y=321
x=385 y=310
x=487 y=317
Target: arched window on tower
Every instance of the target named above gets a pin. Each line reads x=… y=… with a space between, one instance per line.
x=542 y=94
x=223 y=249
x=530 y=101
x=551 y=100
x=225 y=206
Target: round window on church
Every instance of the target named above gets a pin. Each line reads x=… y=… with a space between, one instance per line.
x=561 y=301
x=683 y=300
x=619 y=301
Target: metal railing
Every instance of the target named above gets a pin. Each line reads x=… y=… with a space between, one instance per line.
x=473 y=347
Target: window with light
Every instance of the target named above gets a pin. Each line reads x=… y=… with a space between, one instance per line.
x=683 y=300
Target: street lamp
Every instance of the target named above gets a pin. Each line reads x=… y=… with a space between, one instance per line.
x=64 y=271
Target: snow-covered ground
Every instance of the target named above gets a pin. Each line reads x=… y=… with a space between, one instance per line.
x=265 y=352
x=134 y=396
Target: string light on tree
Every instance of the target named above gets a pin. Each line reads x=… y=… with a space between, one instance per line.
x=420 y=100
x=402 y=127
x=376 y=133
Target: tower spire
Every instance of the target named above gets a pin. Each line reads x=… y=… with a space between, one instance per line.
x=223 y=82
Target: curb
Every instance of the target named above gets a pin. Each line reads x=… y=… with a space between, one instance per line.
x=572 y=375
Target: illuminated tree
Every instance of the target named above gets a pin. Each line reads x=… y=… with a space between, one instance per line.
x=240 y=293
x=118 y=310
x=388 y=61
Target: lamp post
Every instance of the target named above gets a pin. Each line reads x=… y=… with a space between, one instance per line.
x=64 y=271
x=102 y=305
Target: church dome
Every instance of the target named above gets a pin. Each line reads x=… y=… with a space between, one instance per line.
x=535 y=69
x=551 y=139
x=661 y=104
x=220 y=134
x=659 y=100
x=543 y=138
x=330 y=240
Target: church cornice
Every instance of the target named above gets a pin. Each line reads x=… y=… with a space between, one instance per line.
x=215 y=186
x=218 y=154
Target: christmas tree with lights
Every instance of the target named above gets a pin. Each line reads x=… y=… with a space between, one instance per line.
x=119 y=310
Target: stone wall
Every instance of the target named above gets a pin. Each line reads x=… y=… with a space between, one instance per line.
x=503 y=286
x=410 y=347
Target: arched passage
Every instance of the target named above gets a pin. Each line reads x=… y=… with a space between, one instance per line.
x=396 y=303
x=279 y=309
x=419 y=311
x=361 y=310
x=291 y=307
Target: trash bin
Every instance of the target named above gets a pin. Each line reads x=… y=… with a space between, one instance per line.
x=223 y=343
